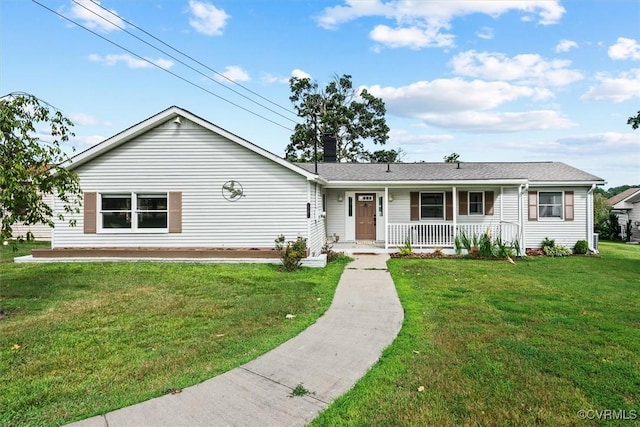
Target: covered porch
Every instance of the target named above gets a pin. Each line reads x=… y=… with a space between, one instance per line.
x=426 y=216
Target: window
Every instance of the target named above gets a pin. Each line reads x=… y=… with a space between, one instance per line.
x=432 y=205
x=550 y=204
x=476 y=203
x=133 y=211
x=116 y=211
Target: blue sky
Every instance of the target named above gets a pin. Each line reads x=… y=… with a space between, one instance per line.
x=491 y=80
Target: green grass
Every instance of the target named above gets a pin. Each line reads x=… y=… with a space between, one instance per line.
x=493 y=343
x=94 y=337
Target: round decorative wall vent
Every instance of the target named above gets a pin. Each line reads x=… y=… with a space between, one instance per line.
x=232 y=191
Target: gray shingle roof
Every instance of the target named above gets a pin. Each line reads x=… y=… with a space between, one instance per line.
x=532 y=171
x=621 y=196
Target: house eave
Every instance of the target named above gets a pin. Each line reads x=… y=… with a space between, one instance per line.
x=565 y=183
x=432 y=183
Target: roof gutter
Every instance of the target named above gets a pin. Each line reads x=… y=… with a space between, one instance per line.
x=411 y=184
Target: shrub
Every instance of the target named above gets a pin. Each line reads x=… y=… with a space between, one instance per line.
x=406 y=249
x=557 y=250
x=581 y=247
x=548 y=243
x=327 y=248
x=291 y=253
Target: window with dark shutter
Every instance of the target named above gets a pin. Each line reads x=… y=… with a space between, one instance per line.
x=533 y=205
x=415 y=205
x=488 y=202
x=568 y=206
x=462 y=202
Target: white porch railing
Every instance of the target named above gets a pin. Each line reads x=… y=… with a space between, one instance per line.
x=424 y=234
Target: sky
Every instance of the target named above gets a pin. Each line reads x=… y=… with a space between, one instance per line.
x=492 y=80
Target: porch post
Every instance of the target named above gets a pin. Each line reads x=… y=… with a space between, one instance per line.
x=454 y=191
x=386 y=217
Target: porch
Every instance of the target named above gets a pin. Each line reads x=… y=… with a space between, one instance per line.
x=428 y=236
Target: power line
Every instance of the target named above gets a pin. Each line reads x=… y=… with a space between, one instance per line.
x=161 y=68
x=183 y=54
x=187 y=56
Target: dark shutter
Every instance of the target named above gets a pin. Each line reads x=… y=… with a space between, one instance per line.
x=533 y=205
x=448 y=203
x=175 y=212
x=415 y=206
x=90 y=217
x=568 y=205
x=488 y=202
x=463 y=208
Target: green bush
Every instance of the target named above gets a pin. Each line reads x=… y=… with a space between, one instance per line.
x=291 y=253
x=581 y=247
x=557 y=250
x=548 y=243
x=406 y=249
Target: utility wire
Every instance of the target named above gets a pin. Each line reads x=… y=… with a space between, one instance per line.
x=161 y=68
x=185 y=64
x=183 y=54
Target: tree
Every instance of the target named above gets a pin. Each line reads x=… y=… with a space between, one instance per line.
x=601 y=209
x=387 y=156
x=30 y=166
x=352 y=116
x=452 y=158
x=634 y=121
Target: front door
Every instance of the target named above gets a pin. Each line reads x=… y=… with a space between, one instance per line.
x=365 y=216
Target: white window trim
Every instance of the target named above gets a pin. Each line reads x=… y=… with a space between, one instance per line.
x=481 y=203
x=134 y=215
x=553 y=218
x=444 y=205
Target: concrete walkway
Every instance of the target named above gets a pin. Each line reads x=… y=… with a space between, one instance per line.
x=326 y=359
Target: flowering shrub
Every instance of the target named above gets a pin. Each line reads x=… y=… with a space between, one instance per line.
x=291 y=253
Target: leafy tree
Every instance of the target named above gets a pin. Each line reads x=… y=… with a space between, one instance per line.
x=634 y=121
x=601 y=211
x=387 y=156
x=30 y=166
x=452 y=158
x=352 y=116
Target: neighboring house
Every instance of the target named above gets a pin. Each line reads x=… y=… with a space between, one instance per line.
x=38 y=231
x=627 y=206
x=176 y=182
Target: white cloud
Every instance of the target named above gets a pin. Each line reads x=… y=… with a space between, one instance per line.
x=88 y=140
x=565 y=45
x=94 y=17
x=233 y=73
x=485 y=33
x=130 y=61
x=411 y=37
x=450 y=95
x=617 y=89
x=524 y=68
x=206 y=18
x=420 y=24
x=299 y=74
x=625 y=49
x=477 y=121
x=82 y=119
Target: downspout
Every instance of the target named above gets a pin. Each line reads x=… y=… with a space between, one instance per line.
x=309 y=216
x=454 y=192
x=590 y=221
x=523 y=187
x=386 y=218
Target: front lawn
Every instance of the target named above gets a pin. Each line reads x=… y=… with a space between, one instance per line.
x=81 y=339
x=491 y=343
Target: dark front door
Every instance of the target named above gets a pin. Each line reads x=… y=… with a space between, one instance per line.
x=365 y=216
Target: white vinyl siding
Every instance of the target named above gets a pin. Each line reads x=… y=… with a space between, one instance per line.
x=39 y=231
x=196 y=162
x=317 y=231
x=336 y=214
x=563 y=232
